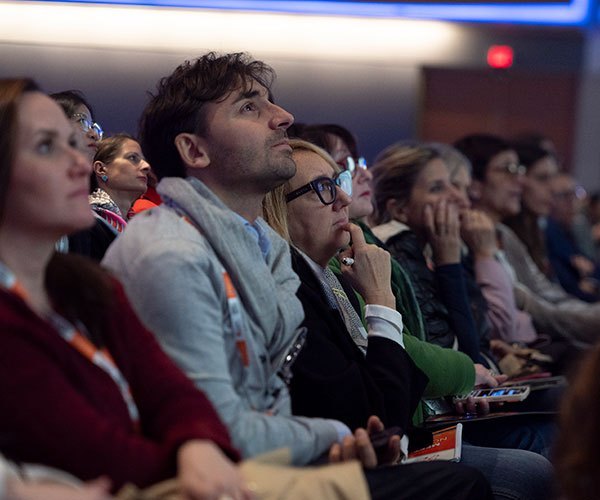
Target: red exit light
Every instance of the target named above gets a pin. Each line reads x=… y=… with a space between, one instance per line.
x=500 y=56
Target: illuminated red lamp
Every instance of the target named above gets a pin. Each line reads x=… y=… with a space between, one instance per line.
x=500 y=56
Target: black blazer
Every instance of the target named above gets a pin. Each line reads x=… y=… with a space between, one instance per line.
x=331 y=376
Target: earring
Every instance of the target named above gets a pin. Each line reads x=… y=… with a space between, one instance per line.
x=104 y=177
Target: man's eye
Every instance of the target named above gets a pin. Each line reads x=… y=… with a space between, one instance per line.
x=249 y=107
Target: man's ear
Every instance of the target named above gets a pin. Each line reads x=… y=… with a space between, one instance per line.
x=192 y=150
x=396 y=210
x=475 y=190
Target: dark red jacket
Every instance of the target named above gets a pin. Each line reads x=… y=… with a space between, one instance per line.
x=59 y=409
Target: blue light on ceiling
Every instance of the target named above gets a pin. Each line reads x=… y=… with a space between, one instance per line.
x=576 y=12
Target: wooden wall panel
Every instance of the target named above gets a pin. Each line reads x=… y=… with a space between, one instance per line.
x=456 y=102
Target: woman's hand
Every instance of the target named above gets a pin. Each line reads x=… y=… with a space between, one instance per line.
x=371 y=273
x=583 y=265
x=486 y=378
x=483 y=378
x=392 y=454
x=443 y=232
x=359 y=447
x=478 y=232
x=205 y=473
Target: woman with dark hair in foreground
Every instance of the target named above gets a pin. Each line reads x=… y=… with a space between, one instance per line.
x=84 y=386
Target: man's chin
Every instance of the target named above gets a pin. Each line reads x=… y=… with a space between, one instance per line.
x=288 y=169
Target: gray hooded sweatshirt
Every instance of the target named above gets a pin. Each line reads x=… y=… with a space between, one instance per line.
x=173 y=272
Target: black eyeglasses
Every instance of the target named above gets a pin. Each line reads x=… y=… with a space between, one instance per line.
x=325 y=187
x=352 y=164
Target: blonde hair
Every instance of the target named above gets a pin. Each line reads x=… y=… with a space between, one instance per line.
x=274 y=205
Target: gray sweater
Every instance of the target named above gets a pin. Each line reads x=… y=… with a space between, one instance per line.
x=173 y=274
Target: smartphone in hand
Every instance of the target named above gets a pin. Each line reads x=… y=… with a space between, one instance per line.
x=380 y=440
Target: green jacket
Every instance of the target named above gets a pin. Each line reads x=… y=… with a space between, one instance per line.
x=450 y=372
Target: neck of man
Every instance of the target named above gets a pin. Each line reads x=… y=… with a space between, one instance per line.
x=247 y=204
x=26 y=254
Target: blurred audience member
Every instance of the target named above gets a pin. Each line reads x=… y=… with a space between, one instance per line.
x=587 y=228
x=416 y=205
x=149 y=199
x=582 y=228
x=536 y=201
x=92 y=242
x=576 y=273
x=488 y=283
x=80 y=112
x=536 y=140
x=338 y=141
x=496 y=189
x=120 y=178
x=576 y=454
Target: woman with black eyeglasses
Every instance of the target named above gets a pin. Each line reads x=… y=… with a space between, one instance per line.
x=311 y=210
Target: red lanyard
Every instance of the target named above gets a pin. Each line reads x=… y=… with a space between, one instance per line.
x=100 y=357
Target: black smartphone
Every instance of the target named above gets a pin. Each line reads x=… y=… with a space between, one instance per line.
x=380 y=440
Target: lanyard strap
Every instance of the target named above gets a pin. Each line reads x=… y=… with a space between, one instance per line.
x=234 y=305
x=235 y=314
x=9 y=282
x=99 y=357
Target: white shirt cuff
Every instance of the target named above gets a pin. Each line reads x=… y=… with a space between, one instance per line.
x=404 y=442
x=384 y=322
